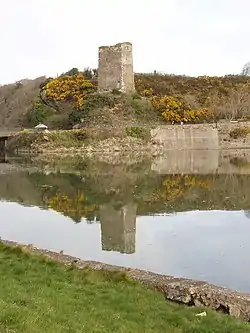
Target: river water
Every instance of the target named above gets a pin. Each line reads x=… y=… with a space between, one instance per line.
x=185 y=214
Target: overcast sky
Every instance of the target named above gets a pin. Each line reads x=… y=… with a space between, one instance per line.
x=192 y=37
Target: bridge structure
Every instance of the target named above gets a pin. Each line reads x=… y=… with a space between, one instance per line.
x=5 y=135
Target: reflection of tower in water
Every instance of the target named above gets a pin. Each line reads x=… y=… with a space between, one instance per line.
x=118 y=228
x=247 y=213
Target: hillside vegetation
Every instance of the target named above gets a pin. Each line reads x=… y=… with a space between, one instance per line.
x=16 y=100
x=72 y=100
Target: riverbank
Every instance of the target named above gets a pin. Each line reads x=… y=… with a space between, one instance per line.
x=86 y=142
x=139 y=140
x=58 y=293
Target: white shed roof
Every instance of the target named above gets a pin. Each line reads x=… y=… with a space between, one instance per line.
x=41 y=126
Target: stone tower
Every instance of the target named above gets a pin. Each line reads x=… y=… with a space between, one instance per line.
x=115 y=68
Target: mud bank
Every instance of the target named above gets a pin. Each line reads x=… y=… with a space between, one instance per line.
x=181 y=290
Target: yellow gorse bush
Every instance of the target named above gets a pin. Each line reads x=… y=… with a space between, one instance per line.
x=201 y=87
x=69 y=88
x=226 y=97
x=198 y=116
x=174 y=110
x=147 y=92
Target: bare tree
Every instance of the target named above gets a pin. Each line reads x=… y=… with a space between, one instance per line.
x=246 y=69
x=16 y=100
x=239 y=103
x=234 y=106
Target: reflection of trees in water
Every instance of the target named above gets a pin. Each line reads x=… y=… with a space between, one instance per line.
x=75 y=207
x=80 y=194
x=239 y=161
x=177 y=185
x=191 y=192
x=174 y=190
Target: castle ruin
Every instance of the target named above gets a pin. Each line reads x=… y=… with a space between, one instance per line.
x=115 y=68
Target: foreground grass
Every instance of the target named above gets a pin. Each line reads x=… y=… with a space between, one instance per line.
x=37 y=295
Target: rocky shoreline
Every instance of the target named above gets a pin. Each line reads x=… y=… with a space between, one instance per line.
x=110 y=146
x=181 y=290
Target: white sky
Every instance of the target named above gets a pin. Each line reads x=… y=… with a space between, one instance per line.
x=192 y=37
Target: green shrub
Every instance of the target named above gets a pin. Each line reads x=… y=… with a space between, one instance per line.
x=104 y=133
x=116 y=92
x=80 y=134
x=141 y=106
x=136 y=96
x=39 y=113
x=239 y=132
x=138 y=132
x=98 y=101
x=58 y=121
x=75 y=117
x=25 y=131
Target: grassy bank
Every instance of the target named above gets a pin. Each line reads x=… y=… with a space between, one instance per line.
x=37 y=295
x=81 y=139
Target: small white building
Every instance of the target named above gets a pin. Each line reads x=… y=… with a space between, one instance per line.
x=41 y=127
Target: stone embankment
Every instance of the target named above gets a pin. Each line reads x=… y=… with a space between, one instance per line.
x=187 y=291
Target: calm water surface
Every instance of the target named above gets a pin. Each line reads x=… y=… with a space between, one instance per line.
x=186 y=214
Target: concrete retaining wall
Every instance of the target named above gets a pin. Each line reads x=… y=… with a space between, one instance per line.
x=186 y=137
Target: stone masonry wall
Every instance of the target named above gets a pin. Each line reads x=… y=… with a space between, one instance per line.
x=115 y=69
x=127 y=68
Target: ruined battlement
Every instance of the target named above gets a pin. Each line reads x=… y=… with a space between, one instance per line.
x=115 y=69
x=118 y=46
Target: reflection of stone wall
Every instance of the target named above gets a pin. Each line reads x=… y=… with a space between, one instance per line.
x=187 y=162
x=115 y=69
x=202 y=162
x=118 y=228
